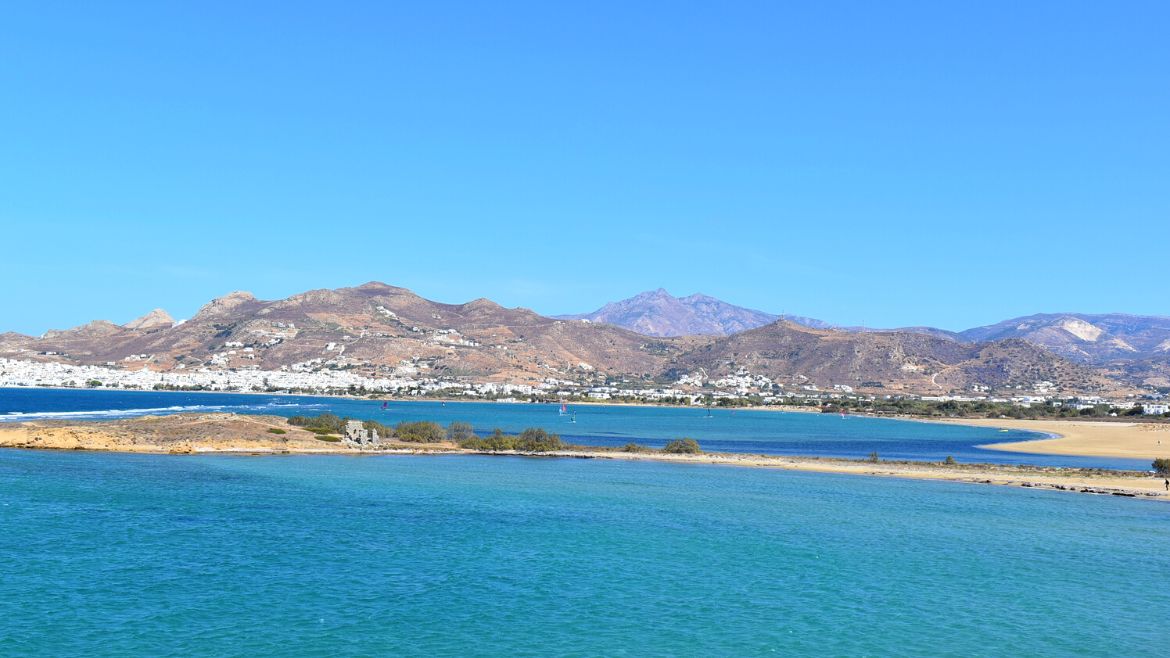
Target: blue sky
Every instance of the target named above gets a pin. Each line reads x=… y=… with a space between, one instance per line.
x=888 y=164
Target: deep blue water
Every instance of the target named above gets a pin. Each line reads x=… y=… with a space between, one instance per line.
x=154 y=555
x=766 y=432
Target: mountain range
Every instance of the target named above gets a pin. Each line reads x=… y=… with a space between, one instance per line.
x=375 y=327
x=1082 y=337
x=380 y=329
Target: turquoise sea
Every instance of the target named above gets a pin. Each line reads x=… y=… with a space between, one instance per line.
x=138 y=555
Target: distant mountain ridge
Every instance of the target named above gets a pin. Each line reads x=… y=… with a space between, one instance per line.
x=382 y=330
x=1084 y=337
x=1087 y=337
x=658 y=313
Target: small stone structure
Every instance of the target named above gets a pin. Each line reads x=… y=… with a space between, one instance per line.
x=358 y=436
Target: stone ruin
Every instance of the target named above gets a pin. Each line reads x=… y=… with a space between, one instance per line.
x=357 y=436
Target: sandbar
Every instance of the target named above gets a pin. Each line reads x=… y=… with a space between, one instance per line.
x=239 y=434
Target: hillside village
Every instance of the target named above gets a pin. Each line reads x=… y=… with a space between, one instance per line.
x=694 y=389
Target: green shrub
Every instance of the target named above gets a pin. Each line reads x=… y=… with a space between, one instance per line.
x=327 y=423
x=873 y=457
x=276 y=430
x=332 y=438
x=375 y=426
x=496 y=442
x=682 y=447
x=422 y=431
x=499 y=441
x=950 y=461
x=460 y=432
x=537 y=440
x=474 y=444
x=1162 y=466
x=530 y=440
x=633 y=447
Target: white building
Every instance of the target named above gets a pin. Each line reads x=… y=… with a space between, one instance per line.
x=1155 y=408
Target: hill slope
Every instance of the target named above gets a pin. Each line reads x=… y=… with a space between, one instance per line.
x=895 y=361
x=374 y=325
x=1091 y=338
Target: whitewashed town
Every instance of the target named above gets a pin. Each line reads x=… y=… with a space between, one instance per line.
x=692 y=389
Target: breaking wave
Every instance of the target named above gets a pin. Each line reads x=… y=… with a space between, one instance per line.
x=98 y=414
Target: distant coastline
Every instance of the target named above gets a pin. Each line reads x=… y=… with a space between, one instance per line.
x=1114 y=438
x=826 y=407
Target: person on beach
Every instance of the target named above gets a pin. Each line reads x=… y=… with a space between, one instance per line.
x=1167 y=482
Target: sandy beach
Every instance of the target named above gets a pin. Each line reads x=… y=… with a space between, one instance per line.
x=1082 y=437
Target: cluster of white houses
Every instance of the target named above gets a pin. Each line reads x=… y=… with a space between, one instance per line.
x=693 y=389
x=35 y=373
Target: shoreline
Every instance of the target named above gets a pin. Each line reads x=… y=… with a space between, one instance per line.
x=1095 y=481
x=384 y=397
x=1065 y=437
x=782 y=408
x=774 y=408
x=1127 y=484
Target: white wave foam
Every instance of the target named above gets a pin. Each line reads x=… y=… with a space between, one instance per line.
x=19 y=416
x=22 y=416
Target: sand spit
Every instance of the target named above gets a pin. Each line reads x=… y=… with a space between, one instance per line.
x=231 y=433
x=1097 y=481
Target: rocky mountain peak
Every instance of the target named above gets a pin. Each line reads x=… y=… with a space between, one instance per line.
x=227 y=303
x=658 y=313
x=156 y=319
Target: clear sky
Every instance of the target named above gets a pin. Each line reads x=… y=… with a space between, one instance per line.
x=880 y=163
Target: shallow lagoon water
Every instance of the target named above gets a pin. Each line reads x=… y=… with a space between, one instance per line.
x=764 y=432
x=119 y=554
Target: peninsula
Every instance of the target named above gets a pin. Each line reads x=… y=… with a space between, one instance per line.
x=221 y=433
